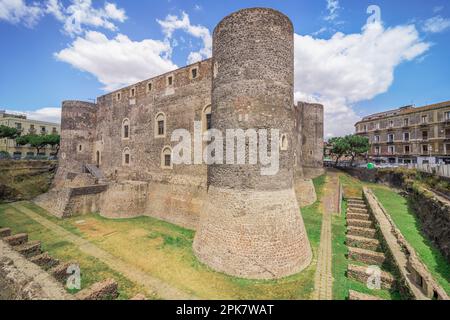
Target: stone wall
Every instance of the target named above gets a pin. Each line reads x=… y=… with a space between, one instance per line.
x=434 y=214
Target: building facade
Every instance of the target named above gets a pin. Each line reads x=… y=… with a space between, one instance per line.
x=117 y=154
x=409 y=135
x=26 y=126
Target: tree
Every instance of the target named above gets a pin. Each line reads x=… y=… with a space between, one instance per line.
x=358 y=145
x=7 y=132
x=54 y=140
x=339 y=147
x=36 y=141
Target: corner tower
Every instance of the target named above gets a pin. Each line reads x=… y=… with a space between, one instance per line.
x=250 y=224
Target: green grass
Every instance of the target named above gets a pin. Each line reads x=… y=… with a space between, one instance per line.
x=92 y=270
x=410 y=226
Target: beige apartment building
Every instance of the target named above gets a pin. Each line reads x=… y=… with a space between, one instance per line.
x=26 y=126
x=409 y=134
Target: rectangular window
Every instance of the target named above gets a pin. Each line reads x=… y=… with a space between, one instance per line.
x=377 y=150
x=194 y=73
x=127 y=158
x=376 y=139
x=18 y=126
x=391 y=124
x=167 y=160
x=425 y=135
x=43 y=130
x=132 y=92
x=447 y=116
x=365 y=128
x=119 y=96
x=208 y=121
x=378 y=126
x=391 y=150
x=406 y=122
x=126 y=131
x=406 y=136
x=447 y=149
x=447 y=133
x=161 y=127
x=424 y=119
x=391 y=138
x=407 y=149
x=170 y=80
x=149 y=87
x=424 y=148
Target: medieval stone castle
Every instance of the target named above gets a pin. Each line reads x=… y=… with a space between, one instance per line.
x=116 y=154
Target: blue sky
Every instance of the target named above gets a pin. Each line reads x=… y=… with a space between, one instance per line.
x=55 y=50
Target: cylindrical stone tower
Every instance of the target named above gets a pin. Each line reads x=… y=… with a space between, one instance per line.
x=251 y=225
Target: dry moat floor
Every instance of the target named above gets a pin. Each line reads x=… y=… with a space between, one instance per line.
x=148 y=256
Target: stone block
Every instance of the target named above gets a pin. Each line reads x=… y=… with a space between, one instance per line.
x=354 y=295
x=366 y=256
x=360 y=223
x=45 y=261
x=16 y=240
x=363 y=243
x=5 y=232
x=362 y=232
x=29 y=249
x=358 y=216
x=360 y=274
x=105 y=290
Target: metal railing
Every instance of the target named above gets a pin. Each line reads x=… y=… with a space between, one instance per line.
x=442 y=170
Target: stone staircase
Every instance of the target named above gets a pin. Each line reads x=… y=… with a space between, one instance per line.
x=364 y=249
x=95 y=172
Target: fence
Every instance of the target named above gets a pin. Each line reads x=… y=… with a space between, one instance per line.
x=442 y=170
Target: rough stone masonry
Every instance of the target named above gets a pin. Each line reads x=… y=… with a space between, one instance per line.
x=248 y=225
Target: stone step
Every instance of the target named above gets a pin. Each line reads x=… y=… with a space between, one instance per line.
x=5 y=232
x=105 y=290
x=354 y=199
x=17 y=239
x=29 y=249
x=357 y=205
x=45 y=261
x=362 y=232
x=368 y=257
x=358 y=216
x=357 y=210
x=363 y=243
x=355 y=295
x=362 y=274
x=359 y=223
x=356 y=202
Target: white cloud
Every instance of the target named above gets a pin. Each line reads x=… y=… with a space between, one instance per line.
x=173 y=23
x=44 y=114
x=436 y=24
x=81 y=14
x=333 y=8
x=347 y=69
x=18 y=11
x=120 y=61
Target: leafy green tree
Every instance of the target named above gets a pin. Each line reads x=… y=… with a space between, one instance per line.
x=358 y=146
x=7 y=132
x=36 y=141
x=339 y=147
x=54 y=140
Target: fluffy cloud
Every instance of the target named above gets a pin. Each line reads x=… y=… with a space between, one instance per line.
x=332 y=8
x=173 y=23
x=347 y=69
x=120 y=61
x=44 y=114
x=436 y=24
x=81 y=14
x=18 y=11
x=75 y=18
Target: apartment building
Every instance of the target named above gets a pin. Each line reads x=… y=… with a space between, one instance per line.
x=26 y=126
x=409 y=134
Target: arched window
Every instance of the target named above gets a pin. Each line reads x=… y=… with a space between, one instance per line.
x=284 y=142
x=206 y=118
x=126 y=129
x=166 y=158
x=160 y=125
x=126 y=157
